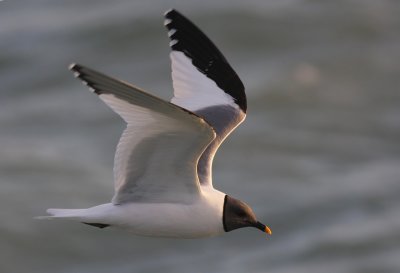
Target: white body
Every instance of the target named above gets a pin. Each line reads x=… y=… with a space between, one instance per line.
x=202 y=218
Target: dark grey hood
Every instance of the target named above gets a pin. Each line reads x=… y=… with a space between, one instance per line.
x=238 y=214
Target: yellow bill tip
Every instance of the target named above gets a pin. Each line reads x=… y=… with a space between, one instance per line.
x=268 y=230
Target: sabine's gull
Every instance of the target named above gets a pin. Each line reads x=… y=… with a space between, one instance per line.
x=163 y=161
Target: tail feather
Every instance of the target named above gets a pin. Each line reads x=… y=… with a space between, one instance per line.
x=75 y=214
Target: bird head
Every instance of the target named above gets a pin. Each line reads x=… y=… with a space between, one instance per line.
x=237 y=214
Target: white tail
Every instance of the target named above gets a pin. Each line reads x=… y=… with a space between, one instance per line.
x=64 y=213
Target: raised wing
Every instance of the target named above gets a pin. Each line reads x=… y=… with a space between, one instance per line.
x=204 y=83
x=157 y=154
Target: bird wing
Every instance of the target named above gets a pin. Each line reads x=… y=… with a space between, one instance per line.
x=204 y=83
x=157 y=154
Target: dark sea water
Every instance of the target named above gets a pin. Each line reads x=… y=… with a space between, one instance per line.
x=318 y=157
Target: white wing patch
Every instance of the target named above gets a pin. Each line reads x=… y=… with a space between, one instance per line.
x=192 y=89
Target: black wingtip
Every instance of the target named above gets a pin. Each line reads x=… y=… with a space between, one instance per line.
x=187 y=38
x=168 y=12
x=77 y=69
x=73 y=66
x=169 y=15
x=171 y=12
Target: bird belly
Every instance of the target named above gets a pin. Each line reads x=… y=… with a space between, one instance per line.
x=201 y=218
x=168 y=220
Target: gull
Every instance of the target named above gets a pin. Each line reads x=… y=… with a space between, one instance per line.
x=163 y=161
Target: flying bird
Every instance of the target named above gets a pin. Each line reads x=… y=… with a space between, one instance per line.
x=163 y=161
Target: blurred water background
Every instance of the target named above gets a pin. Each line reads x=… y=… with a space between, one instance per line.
x=318 y=157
